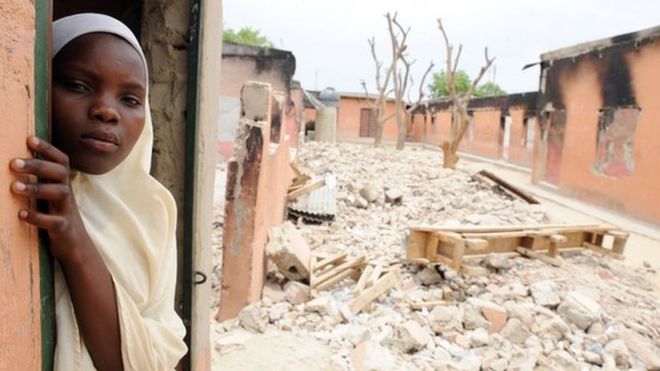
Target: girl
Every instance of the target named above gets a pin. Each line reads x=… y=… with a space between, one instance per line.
x=111 y=225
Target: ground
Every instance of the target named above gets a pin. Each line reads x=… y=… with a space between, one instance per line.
x=593 y=312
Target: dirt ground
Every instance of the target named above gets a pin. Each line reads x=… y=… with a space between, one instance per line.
x=593 y=312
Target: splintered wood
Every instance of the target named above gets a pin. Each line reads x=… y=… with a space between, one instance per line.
x=372 y=280
x=301 y=184
x=327 y=272
x=451 y=246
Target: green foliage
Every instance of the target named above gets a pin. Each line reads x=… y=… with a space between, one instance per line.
x=440 y=88
x=488 y=89
x=247 y=36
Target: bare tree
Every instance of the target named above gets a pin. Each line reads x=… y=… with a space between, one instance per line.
x=401 y=80
x=460 y=102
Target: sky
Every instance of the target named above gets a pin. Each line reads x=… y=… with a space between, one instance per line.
x=329 y=38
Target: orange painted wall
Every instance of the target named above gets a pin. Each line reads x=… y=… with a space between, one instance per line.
x=639 y=193
x=20 y=335
x=518 y=153
x=486 y=133
x=348 y=118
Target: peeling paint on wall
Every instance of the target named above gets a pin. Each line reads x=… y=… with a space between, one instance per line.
x=614 y=146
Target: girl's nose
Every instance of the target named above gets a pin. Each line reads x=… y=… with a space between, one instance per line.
x=102 y=110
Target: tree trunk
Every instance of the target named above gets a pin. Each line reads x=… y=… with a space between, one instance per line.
x=401 y=125
x=378 y=135
x=458 y=129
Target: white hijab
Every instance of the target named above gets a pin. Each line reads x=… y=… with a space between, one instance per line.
x=131 y=219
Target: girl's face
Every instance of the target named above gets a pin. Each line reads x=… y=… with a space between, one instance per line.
x=99 y=97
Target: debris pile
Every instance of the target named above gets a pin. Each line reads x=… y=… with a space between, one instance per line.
x=373 y=309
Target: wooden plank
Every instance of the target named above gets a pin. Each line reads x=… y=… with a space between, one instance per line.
x=540 y=256
x=619 y=244
x=417 y=244
x=336 y=279
x=340 y=268
x=556 y=242
x=383 y=285
x=457 y=255
x=509 y=188
x=330 y=260
x=309 y=188
x=602 y=251
x=364 y=277
x=432 y=246
x=509 y=228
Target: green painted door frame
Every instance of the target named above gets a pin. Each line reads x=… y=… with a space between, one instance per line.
x=43 y=17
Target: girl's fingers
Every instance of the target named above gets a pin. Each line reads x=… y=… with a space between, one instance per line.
x=42 y=191
x=43 y=169
x=48 y=151
x=52 y=223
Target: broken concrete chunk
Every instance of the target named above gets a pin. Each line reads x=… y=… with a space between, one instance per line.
x=617 y=349
x=413 y=337
x=642 y=348
x=515 y=331
x=544 y=294
x=272 y=291
x=370 y=192
x=562 y=360
x=428 y=276
x=479 y=337
x=296 y=292
x=254 y=318
x=393 y=196
x=371 y=356
x=289 y=251
x=320 y=305
x=579 y=309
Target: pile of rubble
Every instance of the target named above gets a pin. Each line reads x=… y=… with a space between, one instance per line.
x=360 y=299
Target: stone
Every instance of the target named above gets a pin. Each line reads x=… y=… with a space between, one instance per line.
x=512 y=290
x=497 y=317
x=641 y=348
x=273 y=291
x=593 y=358
x=428 y=276
x=617 y=349
x=444 y=318
x=320 y=305
x=523 y=361
x=479 y=337
x=500 y=364
x=579 y=310
x=360 y=203
x=296 y=292
x=289 y=251
x=463 y=341
x=253 y=318
x=544 y=294
x=370 y=192
x=413 y=337
x=277 y=311
x=473 y=319
x=554 y=328
x=371 y=356
x=515 y=331
x=523 y=311
x=496 y=261
x=469 y=362
x=231 y=341
x=596 y=329
x=393 y=196
x=562 y=360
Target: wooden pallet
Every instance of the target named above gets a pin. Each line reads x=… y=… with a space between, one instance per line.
x=451 y=246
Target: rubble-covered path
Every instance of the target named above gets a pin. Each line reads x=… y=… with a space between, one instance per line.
x=591 y=313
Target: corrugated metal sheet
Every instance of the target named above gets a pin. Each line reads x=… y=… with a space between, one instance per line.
x=321 y=202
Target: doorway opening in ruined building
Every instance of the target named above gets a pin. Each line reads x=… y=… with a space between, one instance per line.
x=505 y=135
x=614 y=141
x=367 y=122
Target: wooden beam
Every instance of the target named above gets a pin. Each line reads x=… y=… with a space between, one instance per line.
x=309 y=188
x=383 y=285
x=540 y=256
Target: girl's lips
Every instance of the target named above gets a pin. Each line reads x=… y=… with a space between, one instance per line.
x=99 y=145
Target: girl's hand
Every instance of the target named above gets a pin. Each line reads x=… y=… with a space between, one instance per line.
x=62 y=222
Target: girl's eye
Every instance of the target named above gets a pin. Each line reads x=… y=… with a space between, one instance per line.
x=76 y=86
x=131 y=101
